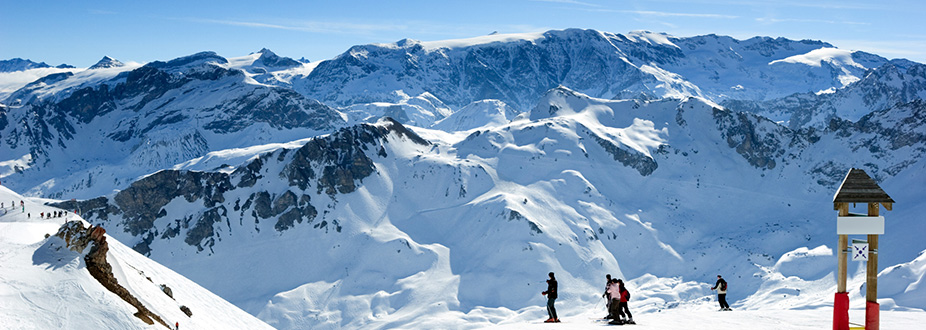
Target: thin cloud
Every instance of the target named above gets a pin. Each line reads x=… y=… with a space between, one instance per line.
x=406 y=28
x=306 y=26
x=665 y=13
x=800 y=20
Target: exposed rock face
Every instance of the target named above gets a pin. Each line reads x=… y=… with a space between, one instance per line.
x=630 y=158
x=186 y=310
x=142 y=202
x=757 y=139
x=78 y=238
x=325 y=166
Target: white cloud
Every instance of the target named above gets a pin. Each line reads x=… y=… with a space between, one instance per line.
x=665 y=13
x=800 y=20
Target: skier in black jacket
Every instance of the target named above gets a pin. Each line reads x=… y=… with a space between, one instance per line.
x=721 y=287
x=551 y=294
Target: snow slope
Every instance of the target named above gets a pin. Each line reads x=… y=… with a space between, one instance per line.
x=44 y=285
x=374 y=226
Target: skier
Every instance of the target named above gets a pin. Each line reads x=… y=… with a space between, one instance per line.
x=606 y=296
x=721 y=287
x=613 y=298
x=622 y=305
x=551 y=294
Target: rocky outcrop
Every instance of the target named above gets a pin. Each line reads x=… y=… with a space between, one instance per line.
x=342 y=157
x=329 y=165
x=761 y=142
x=630 y=158
x=144 y=200
x=78 y=239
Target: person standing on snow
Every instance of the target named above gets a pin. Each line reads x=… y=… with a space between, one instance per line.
x=551 y=294
x=622 y=304
x=614 y=296
x=606 y=296
x=721 y=287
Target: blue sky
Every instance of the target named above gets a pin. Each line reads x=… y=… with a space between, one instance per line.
x=81 y=32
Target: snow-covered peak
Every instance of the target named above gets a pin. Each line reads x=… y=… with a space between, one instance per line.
x=18 y=64
x=651 y=38
x=819 y=56
x=481 y=40
x=269 y=59
x=198 y=60
x=107 y=62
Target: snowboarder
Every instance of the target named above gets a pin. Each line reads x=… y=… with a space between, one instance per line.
x=551 y=294
x=622 y=304
x=606 y=296
x=721 y=287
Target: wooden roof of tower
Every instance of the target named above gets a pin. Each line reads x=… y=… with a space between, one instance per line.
x=858 y=187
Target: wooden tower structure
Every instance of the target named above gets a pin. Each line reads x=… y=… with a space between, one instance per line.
x=858 y=187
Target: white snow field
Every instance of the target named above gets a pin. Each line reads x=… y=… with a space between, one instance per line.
x=44 y=285
x=708 y=318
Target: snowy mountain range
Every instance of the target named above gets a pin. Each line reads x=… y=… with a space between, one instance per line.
x=434 y=184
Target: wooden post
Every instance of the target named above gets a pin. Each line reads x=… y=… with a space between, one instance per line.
x=872 y=309
x=871 y=293
x=842 y=256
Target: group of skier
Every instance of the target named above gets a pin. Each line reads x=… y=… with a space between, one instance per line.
x=55 y=214
x=616 y=296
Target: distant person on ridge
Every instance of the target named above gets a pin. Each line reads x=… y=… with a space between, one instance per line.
x=721 y=287
x=551 y=294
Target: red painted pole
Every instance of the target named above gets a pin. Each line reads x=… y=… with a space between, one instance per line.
x=841 y=311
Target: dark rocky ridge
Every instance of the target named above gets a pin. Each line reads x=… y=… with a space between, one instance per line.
x=331 y=165
x=78 y=239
